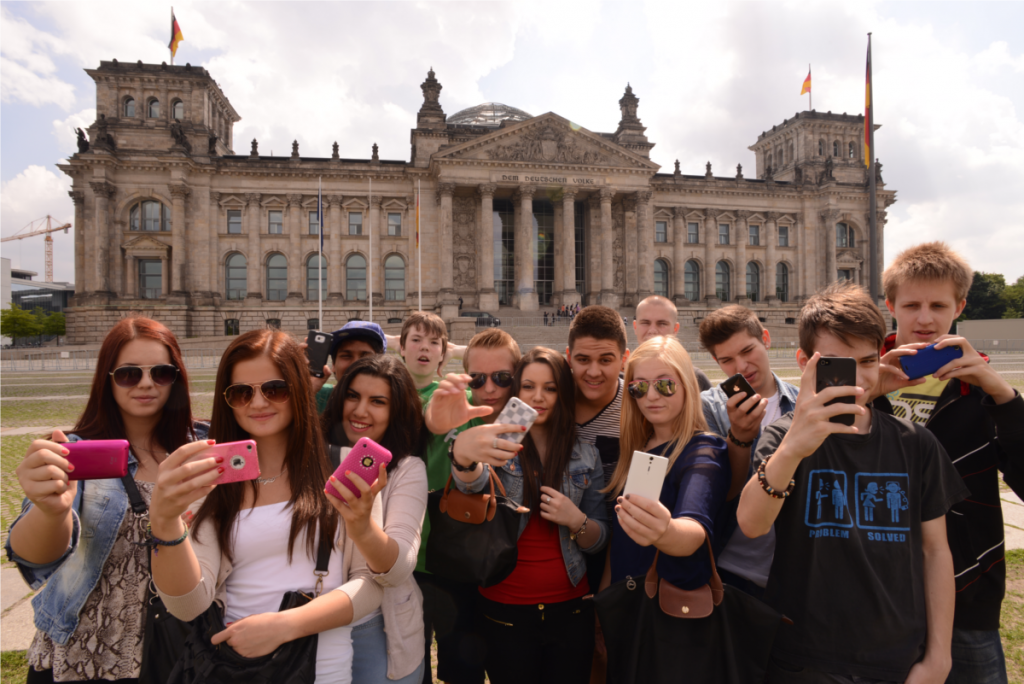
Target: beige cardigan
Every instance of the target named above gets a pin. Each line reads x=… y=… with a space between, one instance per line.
x=404 y=502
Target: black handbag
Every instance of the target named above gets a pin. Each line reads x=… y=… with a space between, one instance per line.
x=731 y=643
x=473 y=537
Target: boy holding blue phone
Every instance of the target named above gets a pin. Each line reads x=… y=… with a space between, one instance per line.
x=979 y=420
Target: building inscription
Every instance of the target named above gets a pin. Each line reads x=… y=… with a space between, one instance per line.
x=547 y=180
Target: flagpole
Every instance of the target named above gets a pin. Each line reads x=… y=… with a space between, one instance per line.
x=369 y=274
x=810 y=91
x=172 y=36
x=419 y=251
x=872 y=199
x=320 y=250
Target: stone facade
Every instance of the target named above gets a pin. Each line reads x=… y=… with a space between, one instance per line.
x=516 y=212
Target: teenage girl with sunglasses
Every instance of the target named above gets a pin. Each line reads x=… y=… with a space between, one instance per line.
x=79 y=537
x=536 y=624
x=252 y=541
x=377 y=399
x=662 y=415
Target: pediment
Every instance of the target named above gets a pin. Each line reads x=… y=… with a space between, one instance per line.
x=543 y=140
x=145 y=244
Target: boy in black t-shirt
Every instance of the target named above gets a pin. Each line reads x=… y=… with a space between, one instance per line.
x=862 y=565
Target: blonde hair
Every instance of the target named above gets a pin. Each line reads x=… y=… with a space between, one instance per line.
x=492 y=338
x=635 y=430
x=935 y=261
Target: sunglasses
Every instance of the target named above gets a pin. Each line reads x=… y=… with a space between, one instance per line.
x=638 y=388
x=502 y=379
x=129 y=376
x=239 y=396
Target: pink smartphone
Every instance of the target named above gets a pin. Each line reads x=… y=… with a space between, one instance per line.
x=98 y=459
x=241 y=462
x=365 y=460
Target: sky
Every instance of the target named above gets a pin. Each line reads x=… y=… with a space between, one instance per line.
x=948 y=83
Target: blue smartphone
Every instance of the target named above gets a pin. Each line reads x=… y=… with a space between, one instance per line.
x=928 y=360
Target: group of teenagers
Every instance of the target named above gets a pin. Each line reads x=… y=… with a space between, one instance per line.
x=881 y=542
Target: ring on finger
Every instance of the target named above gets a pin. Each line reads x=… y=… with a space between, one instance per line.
x=494 y=443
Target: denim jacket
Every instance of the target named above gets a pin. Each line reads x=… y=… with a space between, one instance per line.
x=582 y=484
x=97 y=513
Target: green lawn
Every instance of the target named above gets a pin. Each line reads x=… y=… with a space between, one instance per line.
x=13 y=667
x=1011 y=623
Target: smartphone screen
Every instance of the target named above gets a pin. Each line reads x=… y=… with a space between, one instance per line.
x=838 y=371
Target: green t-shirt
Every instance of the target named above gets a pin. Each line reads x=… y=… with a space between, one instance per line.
x=438 y=465
x=322 y=397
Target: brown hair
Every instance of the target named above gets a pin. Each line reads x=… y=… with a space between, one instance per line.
x=720 y=325
x=306 y=455
x=599 y=322
x=102 y=418
x=935 y=261
x=844 y=310
x=430 y=322
x=492 y=338
x=562 y=427
x=405 y=412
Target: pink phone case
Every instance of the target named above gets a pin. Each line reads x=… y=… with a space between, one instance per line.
x=98 y=459
x=364 y=460
x=241 y=462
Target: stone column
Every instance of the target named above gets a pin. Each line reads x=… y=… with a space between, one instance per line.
x=631 y=248
x=488 y=298
x=525 y=292
x=742 y=238
x=377 y=264
x=645 y=243
x=710 y=237
x=609 y=297
x=103 y=192
x=140 y=103
x=132 y=281
x=78 y=197
x=295 y=265
x=772 y=235
x=679 y=255
x=828 y=219
x=116 y=260
x=253 y=260
x=165 y=101
x=164 y=276
x=593 y=245
x=569 y=293
x=179 y=193
x=217 y=276
x=446 y=247
x=334 y=265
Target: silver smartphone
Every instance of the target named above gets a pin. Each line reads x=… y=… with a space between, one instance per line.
x=516 y=412
x=646 y=475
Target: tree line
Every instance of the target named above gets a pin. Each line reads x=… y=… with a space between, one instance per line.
x=17 y=323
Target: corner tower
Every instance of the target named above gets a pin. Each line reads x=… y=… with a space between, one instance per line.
x=813 y=147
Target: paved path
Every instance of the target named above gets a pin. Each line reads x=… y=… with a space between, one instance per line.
x=62 y=397
x=11 y=432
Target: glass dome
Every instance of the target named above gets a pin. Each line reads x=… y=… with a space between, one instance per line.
x=488 y=114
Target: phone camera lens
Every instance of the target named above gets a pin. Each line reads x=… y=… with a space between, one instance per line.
x=237 y=462
x=248 y=447
x=825 y=362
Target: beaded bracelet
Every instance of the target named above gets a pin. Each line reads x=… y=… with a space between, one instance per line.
x=768 y=488
x=157 y=543
x=734 y=440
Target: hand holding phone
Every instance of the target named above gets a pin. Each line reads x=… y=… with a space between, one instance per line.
x=364 y=460
x=98 y=459
x=646 y=475
x=318 y=348
x=516 y=412
x=241 y=461
x=928 y=360
x=737 y=384
x=837 y=371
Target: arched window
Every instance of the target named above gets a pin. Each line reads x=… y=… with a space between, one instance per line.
x=844 y=236
x=753 y=282
x=778 y=158
x=129 y=108
x=178 y=110
x=835 y=148
x=853 y=151
x=691 y=274
x=150 y=216
x=277 y=278
x=782 y=282
x=394 y=278
x=316 y=265
x=821 y=148
x=154 y=109
x=355 y=277
x=660 y=277
x=235 y=277
x=789 y=153
x=722 y=281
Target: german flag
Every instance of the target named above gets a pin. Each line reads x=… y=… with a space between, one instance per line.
x=176 y=36
x=867 y=110
x=807 y=84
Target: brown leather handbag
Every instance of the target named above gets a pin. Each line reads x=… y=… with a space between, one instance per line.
x=685 y=603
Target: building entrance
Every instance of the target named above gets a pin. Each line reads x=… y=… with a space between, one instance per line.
x=543 y=250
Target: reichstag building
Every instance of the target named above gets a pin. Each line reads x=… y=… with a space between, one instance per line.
x=519 y=213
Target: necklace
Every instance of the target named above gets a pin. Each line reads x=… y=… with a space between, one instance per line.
x=267 y=480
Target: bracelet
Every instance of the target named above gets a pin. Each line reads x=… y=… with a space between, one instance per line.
x=583 y=528
x=455 y=464
x=768 y=488
x=157 y=543
x=742 y=445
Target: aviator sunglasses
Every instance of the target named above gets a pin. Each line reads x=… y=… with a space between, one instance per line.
x=239 y=396
x=129 y=376
x=502 y=379
x=638 y=388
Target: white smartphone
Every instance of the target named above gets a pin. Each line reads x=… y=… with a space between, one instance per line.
x=516 y=412
x=646 y=475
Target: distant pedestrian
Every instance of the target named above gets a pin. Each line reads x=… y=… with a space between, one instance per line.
x=545 y=318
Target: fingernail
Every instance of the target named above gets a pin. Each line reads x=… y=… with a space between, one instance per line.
x=348 y=472
x=618 y=509
x=71 y=467
x=619 y=499
x=64 y=452
x=211 y=442
x=524 y=428
x=220 y=469
x=627 y=497
x=219 y=459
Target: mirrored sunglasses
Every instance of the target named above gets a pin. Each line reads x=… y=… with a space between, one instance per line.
x=129 y=376
x=239 y=396
x=638 y=388
x=502 y=379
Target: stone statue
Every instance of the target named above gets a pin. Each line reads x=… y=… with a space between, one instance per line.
x=677 y=171
x=83 y=144
x=828 y=169
x=768 y=172
x=334 y=151
x=211 y=148
x=295 y=148
x=178 y=133
x=375 y=156
x=707 y=169
x=739 y=171
x=103 y=139
x=878 y=172
x=255 y=149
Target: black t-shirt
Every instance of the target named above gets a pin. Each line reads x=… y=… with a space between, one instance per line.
x=849 y=563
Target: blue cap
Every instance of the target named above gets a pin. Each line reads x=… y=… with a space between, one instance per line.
x=368 y=332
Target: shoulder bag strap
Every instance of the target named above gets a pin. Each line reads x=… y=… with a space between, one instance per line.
x=138 y=505
x=323 y=554
x=651 y=580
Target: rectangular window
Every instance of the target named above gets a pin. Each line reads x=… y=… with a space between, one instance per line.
x=692 y=233
x=314 y=223
x=755 y=235
x=230 y=326
x=234 y=221
x=150 y=279
x=275 y=224
x=394 y=224
x=503 y=241
x=661 y=231
x=783 y=236
x=723 y=233
x=355 y=223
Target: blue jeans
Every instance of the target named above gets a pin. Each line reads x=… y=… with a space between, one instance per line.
x=370 y=656
x=977 y=658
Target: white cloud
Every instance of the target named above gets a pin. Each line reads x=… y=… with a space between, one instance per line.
x=27 y=72
x=32 y=194
x=64 y=130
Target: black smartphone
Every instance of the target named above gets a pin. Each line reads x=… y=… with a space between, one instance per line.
x=318 y=348
x=737 y=384
x=838 y=371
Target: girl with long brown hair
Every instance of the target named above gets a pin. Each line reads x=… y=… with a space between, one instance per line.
x=536 y=623
x=254 y=540
x=79 y=537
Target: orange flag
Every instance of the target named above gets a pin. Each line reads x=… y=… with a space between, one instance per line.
x=176 y=36
x=807 y=84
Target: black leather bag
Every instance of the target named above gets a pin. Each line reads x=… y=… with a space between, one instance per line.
x=473 y=537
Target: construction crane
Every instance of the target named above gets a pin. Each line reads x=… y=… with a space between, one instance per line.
x=33 y=229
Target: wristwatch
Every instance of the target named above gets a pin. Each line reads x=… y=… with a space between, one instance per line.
x=455 y=464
